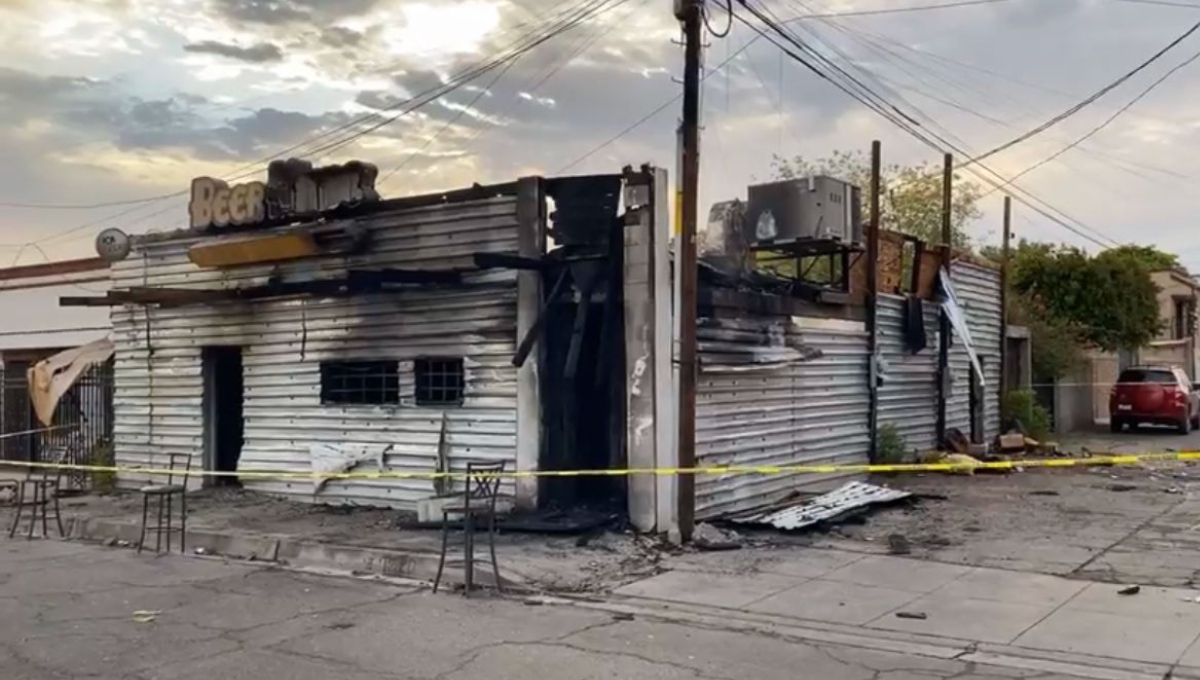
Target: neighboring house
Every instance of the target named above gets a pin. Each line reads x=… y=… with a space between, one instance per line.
x=1177 y=301
x=1081 y=400
x=35 y=327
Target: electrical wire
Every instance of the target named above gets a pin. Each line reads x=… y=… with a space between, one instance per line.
x=583 y=47
x=903 y=10
x=1088 y=100
x=253 y=165
x=874 y=102
x=654 y=112
x=1163 y=3
x=728 y=16
x=662 y=107
x=854 y=88
x=553 y=27
x=454 y=119
x=898 y=59
x=1141 y=95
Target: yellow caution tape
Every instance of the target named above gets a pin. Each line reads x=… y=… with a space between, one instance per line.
x=963 y=466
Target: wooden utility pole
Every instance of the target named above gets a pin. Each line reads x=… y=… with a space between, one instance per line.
x=688 y=12
x=873 y=299
x=943 y=372
x=1004 y=255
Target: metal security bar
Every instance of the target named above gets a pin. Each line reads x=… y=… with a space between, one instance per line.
x=360 y=382
x=80 y=432
x=439 y=381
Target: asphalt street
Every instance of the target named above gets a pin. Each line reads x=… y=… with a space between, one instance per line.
x=72 y=610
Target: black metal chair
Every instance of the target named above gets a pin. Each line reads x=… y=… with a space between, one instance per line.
x=478 y=502
x=38 y=491
x=178 y=465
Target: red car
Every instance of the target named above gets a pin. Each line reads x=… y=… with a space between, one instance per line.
x=1161 y=395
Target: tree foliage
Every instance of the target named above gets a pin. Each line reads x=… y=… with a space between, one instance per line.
x=1107 y=301
x=911 y=196
x=1153 y=258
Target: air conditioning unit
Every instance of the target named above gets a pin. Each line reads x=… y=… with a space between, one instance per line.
x=813 y=210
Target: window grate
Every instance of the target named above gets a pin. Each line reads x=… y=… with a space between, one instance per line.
x=439 y=381
x=360 y=382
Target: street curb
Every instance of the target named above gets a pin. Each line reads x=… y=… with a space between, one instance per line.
x=286 y=550
x=1041 y=661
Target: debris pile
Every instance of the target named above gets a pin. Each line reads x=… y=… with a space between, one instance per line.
x=1012 y=446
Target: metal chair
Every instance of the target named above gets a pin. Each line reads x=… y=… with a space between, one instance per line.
x=178 y=465
x=478 y=501
x=44 y=485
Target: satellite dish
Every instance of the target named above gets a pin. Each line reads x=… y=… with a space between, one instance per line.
x=113 y=245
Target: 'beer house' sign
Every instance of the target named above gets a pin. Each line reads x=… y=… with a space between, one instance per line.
x=216 y=204
x=293 y=189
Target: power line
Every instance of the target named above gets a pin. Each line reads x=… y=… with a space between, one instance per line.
x=254 y=164
x=885 y=109
x=454 y=119
x=553 y=27
x=1141 y=95
x=902 y=10
x=896 y=116
x=584 y=45
x=1088 y=100
x=1164 y=3
x=664 y=105
x=869 y=38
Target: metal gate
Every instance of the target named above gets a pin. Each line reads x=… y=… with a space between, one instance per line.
x=82 y=422
x=16 y=413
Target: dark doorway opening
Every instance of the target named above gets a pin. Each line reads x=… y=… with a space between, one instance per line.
x=582 y=358
x=223 y=425
x=977 y=405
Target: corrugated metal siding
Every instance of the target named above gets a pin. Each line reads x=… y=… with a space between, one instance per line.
x=908 y=398
x=159 y=402
x=978 y=290
x=812 y=412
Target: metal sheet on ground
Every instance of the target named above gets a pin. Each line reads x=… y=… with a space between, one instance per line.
x=845 y=498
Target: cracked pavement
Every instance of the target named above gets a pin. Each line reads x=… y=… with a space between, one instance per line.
x=73 y=610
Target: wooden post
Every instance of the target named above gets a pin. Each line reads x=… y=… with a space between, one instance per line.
x=686 y=250
x=943 y=372
x=872 y=300
x=1004 y=256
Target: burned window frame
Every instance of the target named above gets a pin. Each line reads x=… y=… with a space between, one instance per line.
x=439 y=381
x=378 y=382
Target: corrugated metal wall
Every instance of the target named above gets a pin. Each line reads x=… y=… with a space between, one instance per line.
x=978 y=291
x=159 y=382
x=908 y=398
x=812 y=412
x=817 y=411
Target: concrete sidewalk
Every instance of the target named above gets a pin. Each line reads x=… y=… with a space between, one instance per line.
x=360 y=541
x=1148 y=634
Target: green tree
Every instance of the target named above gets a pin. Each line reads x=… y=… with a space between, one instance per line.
x=1108 y=301
x=1152 y=257
x=1070 y=301
x=911 y=196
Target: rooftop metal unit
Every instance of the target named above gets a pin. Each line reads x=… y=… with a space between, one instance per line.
x=821 y=213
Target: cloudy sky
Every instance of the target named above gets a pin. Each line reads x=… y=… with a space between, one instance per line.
x=105 y=101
